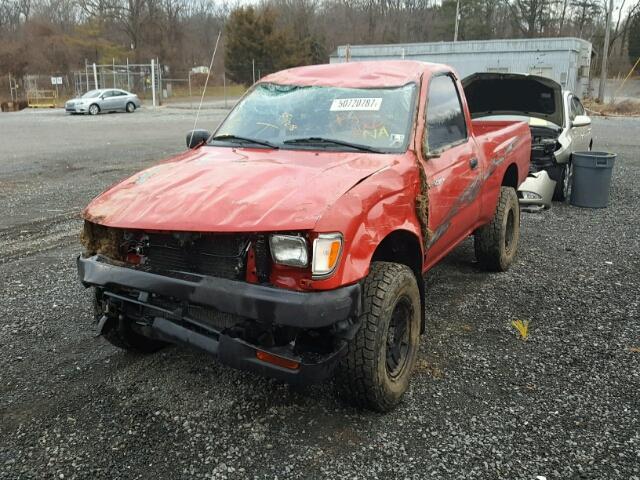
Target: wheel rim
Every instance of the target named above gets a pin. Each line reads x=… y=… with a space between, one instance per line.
x=93 y=109
x=398 y=336
x=130 y=107
x=508 y=234
x=566 y=185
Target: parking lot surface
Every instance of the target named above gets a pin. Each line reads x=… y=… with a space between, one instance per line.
x=483 y=403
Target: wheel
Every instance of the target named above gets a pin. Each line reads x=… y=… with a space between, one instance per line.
x=94 y=109
x=496 y=243
x=119 y=333
x=563 y=182
x=131 y=107
x=376 y=369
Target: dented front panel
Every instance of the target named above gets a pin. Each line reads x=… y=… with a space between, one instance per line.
x=217 y=189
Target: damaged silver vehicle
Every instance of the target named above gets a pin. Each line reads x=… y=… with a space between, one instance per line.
x=558 y=122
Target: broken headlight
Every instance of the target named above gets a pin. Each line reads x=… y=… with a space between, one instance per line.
x=289 y=250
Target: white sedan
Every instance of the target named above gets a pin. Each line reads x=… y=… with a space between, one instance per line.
x=558 y=122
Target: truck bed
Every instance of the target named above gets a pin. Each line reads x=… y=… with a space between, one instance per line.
x=503 y=143
x=499 y=138
x=485 y=127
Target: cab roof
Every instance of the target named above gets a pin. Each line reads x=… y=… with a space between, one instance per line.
x=372 y=74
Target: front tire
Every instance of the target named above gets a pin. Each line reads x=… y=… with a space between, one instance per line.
x=130 y=107
x=496 y=243
x=376 y=369
x=94 y=109
x=563 y=183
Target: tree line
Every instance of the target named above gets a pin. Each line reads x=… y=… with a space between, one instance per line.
x=57 y=36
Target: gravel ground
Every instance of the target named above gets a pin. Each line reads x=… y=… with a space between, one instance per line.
x=483 y=404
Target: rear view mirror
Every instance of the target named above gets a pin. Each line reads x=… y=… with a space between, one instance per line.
x=196 y=138
x=581 y=121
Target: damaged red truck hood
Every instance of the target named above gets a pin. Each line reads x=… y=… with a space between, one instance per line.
x=223 y=189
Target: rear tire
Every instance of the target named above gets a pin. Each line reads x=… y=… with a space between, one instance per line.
x=496 y=243
x=130 y=107
x=376 y=369
x=118 y=332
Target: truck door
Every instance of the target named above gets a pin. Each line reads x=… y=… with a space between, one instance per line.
x=452 y=167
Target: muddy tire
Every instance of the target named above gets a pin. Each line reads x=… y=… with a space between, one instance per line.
x=496 y=243
x=94 y=109
x=119 y=333
x=376 y=369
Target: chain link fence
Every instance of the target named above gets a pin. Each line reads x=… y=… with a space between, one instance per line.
x=153 y=82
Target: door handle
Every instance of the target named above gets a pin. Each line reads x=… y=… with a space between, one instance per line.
x=473 y=163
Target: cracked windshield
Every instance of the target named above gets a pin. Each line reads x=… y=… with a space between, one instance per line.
x=286 y=116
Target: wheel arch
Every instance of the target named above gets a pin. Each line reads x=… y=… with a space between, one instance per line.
x=404 y=247
x=510 y=178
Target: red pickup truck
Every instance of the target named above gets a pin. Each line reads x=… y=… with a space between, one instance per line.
x=293 y=241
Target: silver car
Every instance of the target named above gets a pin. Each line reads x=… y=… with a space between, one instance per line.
x=104 y=100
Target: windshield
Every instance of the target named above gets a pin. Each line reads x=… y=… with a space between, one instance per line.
x=297 y=117
x=91 y=94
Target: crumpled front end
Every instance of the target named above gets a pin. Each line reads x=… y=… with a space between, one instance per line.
x=214 y=292
x=536 y=192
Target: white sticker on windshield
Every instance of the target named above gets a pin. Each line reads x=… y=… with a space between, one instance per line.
x=351 y=104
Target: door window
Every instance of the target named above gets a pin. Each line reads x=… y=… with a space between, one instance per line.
x=446 y=125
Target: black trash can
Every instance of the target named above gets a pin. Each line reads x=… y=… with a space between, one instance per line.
x=591 y=179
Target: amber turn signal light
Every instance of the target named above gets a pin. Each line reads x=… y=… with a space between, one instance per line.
x=326 y=253
x=276 y=360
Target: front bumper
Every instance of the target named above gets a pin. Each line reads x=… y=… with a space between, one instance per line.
x=128 y=292
x=75 y=109
x=257 y=302
x=540 y=186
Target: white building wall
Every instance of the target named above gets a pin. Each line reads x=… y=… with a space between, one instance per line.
x=565 y=60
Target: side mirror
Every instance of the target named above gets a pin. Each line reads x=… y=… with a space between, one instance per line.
x=196 y=138
x=581 y=121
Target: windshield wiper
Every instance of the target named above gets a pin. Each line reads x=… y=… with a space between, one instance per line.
x=330 y=141
x=237 y=138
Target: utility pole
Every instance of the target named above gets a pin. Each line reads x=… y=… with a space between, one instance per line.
x=253 y=69
x=153 y=83
x=11 y=88
x=129 y=80
x=95 y=75
x=86 y=75
x=605 y=54
x=455 y=33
